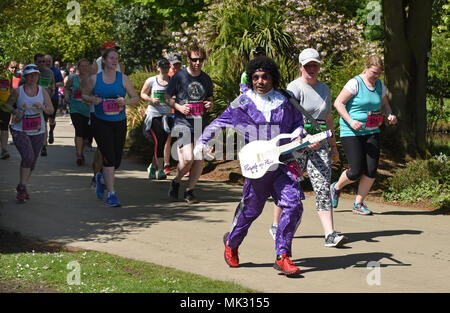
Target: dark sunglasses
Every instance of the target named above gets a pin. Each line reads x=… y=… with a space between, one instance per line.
x=256 y=77
x=194 y=60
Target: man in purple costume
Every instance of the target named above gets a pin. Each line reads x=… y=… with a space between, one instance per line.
x=262 y=112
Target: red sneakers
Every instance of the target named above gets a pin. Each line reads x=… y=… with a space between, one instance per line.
x=167 y=169
x=285 y=265
x=231 y=256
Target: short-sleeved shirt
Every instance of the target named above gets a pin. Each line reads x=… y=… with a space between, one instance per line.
x=47 y=80
x=316 y=100
x=189 y=89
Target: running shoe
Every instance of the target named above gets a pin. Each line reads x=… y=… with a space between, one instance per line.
x=231 y=255
x=273 y=231
x=22 y=194
x=112 y=200
x=167 y=169
x=151 y=171
x=4 y=155
x=161 y=175
x=335 y=239
x=173 y=190
x=80 y=160
x=284 y=264
x=189 y=197
x=361 y=209
x=187 y=174
x=100 y=186
x=44 y=150
x=335 y=195
x=51 y=139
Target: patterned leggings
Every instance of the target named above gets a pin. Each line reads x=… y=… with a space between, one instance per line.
x=28 y=147
x=318 y=165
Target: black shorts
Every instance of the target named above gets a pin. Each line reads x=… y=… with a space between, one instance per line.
x=5 y=117
x=81 y=124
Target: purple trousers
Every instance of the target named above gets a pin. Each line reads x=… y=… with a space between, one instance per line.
x=28 y=147
x=287 y=193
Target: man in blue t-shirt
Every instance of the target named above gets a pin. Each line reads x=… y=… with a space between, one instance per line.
x=59 y=82
x=193 y=92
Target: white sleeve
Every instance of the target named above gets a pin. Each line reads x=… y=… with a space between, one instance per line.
x=352 y=86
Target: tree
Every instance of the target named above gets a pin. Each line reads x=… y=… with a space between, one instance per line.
x=407 y=44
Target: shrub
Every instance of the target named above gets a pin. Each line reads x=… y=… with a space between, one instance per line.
x=422 y=180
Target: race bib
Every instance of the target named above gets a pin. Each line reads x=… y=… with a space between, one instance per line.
x=4 y=84
x=374 y=120
x=160 y=96
x=31 y=123
x=44 y=82
x=110 y=107
x=196 y=109
x=77 y=94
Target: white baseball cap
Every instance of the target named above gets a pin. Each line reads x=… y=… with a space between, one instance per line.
x=309 y=55
x=30 y=68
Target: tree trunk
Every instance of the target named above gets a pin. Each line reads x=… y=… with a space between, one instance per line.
x=408 y=40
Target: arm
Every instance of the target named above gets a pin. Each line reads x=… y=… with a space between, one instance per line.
x=68 y=81
x=87 y=90
x=339 y=104
x=133 y=99
x=172 y=103
x=47 y=107
x=146 y=91
x=392 y=119
x=332 y=140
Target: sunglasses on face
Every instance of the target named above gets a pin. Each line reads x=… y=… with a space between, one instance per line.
x=194 y=60
x=256 y=77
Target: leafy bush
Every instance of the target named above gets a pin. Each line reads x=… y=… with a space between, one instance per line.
x=136 y=142
x=422 y=180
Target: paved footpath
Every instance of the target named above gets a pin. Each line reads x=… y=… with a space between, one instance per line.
x=409 y=248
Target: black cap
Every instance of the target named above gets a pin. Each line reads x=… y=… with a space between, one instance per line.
x=258 y=50
x=162 y=62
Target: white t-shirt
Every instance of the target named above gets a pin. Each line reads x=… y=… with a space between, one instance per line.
x=157 y=91
x=352 y=87
x=316 y=100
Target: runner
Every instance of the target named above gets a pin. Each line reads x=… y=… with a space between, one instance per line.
x=359 y=103
x=262 y=106
x=28 y=103
x=59 y=82
x=257 y=52
x=193 y=89
x=314 y=97
x=158 y=120
x=107 y=91
x=79 y=111
x=6 y=77
x=96 y=68
x=46 y=80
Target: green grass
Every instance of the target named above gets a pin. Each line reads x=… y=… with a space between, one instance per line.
x=103 y=273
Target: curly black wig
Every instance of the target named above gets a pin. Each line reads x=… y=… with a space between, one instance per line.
x=266 y=64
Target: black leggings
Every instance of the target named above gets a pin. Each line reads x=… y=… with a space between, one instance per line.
x=110 y=138
x=363 y=154
x=158 y=136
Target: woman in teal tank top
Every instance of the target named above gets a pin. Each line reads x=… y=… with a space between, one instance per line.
x=106 y=91
x=79 y=109
x=360 y=104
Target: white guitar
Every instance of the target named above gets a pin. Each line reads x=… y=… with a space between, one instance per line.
x=259 y=156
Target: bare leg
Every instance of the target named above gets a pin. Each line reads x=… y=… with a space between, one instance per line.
x=365 y=183
x=108 y=176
